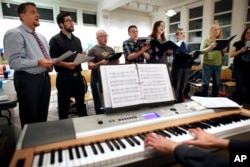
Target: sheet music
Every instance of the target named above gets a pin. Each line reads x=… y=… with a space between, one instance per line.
x=63 y=56
x=80 y=58
x=215 y=102
x=123 y=85
x=155 y=83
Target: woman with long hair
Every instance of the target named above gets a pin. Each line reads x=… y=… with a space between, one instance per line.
x=241 y=62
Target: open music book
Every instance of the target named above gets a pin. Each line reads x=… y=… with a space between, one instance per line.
x=114 y=57
x=141 y=41
x=222 y=43
x=133 y=84
x=159 y=48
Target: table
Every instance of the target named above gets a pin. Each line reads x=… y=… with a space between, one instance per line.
x=8 y=89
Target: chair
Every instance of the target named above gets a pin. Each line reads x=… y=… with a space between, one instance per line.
x=88 y=96
x=228 y=85
x=53 y=84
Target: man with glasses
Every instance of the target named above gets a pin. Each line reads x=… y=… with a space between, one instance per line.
x=69 y=82
x=128 y=48
x=100 y=52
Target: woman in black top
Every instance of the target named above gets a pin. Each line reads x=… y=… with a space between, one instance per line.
x=241 y=56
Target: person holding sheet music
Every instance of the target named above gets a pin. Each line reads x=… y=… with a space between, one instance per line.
x=27 y=57
x=159 y=35
x=132 y=56
x=69 y=81
x=180 y=65
x=100 y=52
x=241 y=62
x=211 y=61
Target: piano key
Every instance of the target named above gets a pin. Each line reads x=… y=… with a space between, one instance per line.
x=134 y=139
x=85 y=158
x=77 y=152
x=36 y=161
x=93 y=148
x=115 y=144
x=121 y=143
x=109 y=145
x=99 y=146
x=52 y=157
x=129 y=141
x=60 y=156
x=40 y=162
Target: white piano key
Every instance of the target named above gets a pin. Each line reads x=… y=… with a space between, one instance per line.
x=87 y=159
x=36 y=160
x=94 y=158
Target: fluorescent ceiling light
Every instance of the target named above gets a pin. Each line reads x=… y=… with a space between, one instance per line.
x=170 y=13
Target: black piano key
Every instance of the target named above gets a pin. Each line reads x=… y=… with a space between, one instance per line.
x=71 y=157
x=129 y=141
x=93 y=149
x=121 y=143
x=84 y=151
x=78 y=155
x=60 y=157
x=141 y=136
x=165 y=134
x=115 y=144
x=173 y=132
x=52 y=157
x=99 y=146
x=135 y=140
x=109 y=145
x=180 y=130
x=40 y=161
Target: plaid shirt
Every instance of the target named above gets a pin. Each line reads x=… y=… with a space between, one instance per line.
x=128 y=48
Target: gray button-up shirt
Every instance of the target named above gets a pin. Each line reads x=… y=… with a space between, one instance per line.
x=23 y=51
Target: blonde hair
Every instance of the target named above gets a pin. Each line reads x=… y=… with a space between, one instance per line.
x=212 y=38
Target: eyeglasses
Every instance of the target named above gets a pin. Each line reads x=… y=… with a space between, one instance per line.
x=69 y=21
x=104 y=36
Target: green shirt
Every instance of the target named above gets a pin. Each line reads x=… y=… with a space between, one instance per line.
x=213 y=57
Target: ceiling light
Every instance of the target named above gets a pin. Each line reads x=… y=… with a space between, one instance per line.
x=170 y=13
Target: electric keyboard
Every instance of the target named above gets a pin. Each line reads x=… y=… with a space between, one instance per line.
x=99 y=143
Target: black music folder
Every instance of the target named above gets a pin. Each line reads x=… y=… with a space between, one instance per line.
x=222 y=43
x=159 y=48
x=141 y=41
x=114 y=57
x=192 y=55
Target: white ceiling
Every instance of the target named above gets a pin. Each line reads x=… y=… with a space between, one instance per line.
x=147 y=6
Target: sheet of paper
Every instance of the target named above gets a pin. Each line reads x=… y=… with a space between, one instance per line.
x=215 y=102
x=155 y=83
x=123 y=85
x=63 y=56
x=80 y=58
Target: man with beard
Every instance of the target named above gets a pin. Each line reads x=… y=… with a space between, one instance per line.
x=69 y=80
x=27 y=53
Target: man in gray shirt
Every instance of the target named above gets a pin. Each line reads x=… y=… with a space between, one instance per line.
x=100 y=52
x=27 y=53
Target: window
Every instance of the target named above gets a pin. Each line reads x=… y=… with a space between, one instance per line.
x=195 y=29
x=89 y=18
x=72 y=13
x=248 y=15
x=9 y=11
x=223 y=16
x=174 y=23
